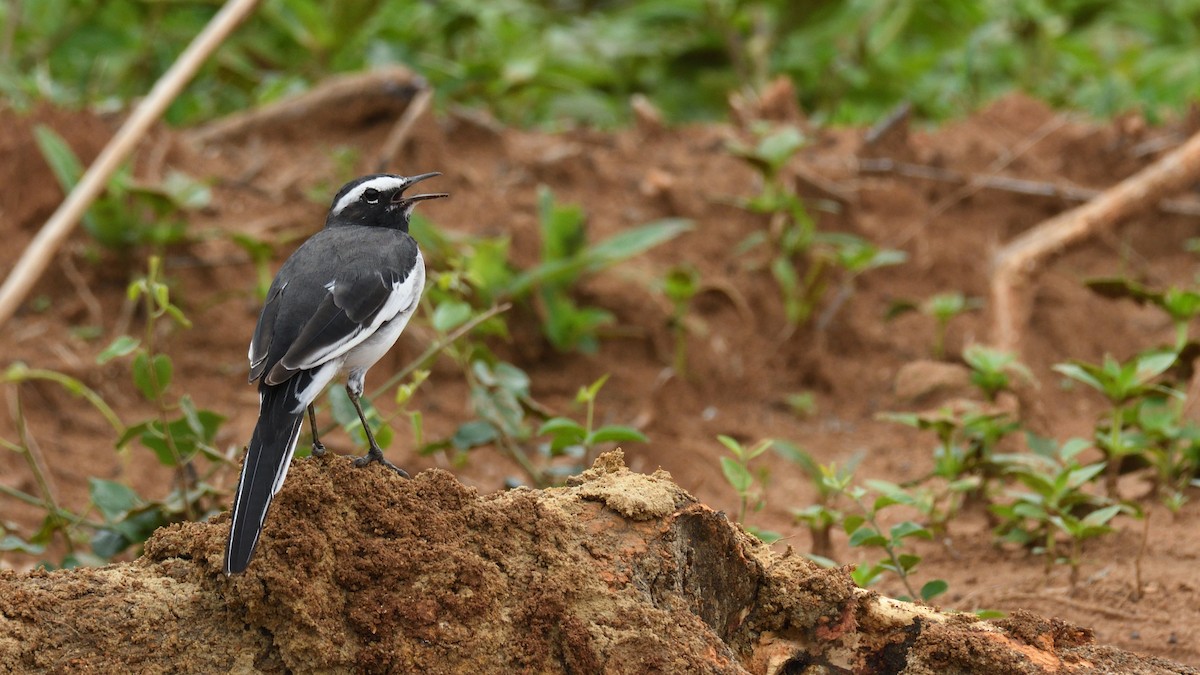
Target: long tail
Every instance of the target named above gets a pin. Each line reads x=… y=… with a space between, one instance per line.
x=268 y=456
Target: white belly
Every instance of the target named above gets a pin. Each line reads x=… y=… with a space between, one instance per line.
x=365 y=354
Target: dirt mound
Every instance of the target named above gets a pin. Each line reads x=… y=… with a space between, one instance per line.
x=619 y=573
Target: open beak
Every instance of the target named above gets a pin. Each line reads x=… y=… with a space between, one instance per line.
x=400 y=200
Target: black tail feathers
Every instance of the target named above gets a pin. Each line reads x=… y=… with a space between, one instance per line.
x=268 y=456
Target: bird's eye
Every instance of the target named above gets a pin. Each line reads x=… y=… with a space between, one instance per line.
x=371 y=196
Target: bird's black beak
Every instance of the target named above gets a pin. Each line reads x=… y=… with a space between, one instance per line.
x=400 y=200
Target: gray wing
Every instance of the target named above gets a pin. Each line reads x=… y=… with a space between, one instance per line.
x=354 y=307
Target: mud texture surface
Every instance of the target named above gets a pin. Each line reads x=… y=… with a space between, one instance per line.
x=617 y=573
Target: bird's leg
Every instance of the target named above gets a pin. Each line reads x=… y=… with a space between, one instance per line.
x=318 y=448
x=375 y=454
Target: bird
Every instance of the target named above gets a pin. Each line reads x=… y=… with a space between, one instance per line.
x=338 y=304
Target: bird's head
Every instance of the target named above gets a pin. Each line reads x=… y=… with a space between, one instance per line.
x=378 y=200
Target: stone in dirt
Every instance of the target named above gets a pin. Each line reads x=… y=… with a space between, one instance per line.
x=618 y=572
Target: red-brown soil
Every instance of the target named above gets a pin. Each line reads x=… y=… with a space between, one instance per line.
x=742 y=364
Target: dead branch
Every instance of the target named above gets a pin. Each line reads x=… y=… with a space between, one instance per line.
x=403 y=127
x=1022 y=186
x=33 y=261
x=1020 y=259
x=366 y=91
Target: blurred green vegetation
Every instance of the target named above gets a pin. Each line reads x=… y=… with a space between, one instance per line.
x=556 y=62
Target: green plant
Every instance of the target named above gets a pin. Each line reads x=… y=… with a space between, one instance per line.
x=802 y=258
x=942 y=308
x=534 y=63
x=179 y=431
x=853 y=256
x=1182 y=305
x=791 y=231
x=830 y=482
x=502 y=404
x=1056 y=502
x=584 y=440
x=1170 y=443
x=567 y=259
x=59 y=521
x=680 y=284
x=1124 y=385
x=964 y=459
x=992 y=370
x=129 y=213
x=751 y=487
x=866 y=531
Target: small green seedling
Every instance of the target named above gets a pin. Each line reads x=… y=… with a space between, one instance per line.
x=992 y=370
x=680 y=284
x=942 y=308
x=1182 y=305
x=830 y=482
x=1123 y=384
x=866 y=531
x=584 y=440
x=964 y=459
x=749 y=486
x=1056 y=502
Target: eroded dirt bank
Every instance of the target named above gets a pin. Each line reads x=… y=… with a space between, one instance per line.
x=618 y=572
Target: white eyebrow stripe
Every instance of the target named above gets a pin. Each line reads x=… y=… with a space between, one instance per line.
x=381 y=183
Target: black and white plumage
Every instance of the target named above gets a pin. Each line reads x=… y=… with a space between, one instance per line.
x=338 y=304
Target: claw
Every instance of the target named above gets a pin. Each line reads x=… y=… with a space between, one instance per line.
x=376 y=455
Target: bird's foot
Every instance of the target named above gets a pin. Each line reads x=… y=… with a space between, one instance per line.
x=318 y=449
x=376 y=455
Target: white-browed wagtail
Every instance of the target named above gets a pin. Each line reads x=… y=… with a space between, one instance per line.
x=338 y=304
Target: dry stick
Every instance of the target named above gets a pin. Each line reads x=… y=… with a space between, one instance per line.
x=976 y=182
x=332 y=94
x=1021 y=186
x=37 y=255
x=404 y=125
x=1020 y=258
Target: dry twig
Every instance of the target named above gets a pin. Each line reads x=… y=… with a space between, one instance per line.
x=366 y=92
x=1020 y=259
x=48 y=240
x=403 y=127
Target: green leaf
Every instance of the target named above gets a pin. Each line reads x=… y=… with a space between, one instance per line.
x=450 y=315
x=113 y=499
x=909 y=529
x=865 y=575
x=474 y=434
x=614 y=433
x=152 y=382
x=588 y=393
x=1153 y=364
x=738 y=475
x=852 y=522
x=108 y=542
x=630 y=243
x=766 y=536
x=62 y=160
x=11 y=542
x=731 y=444
x=122 y=346
x=932 y=589
x=562 y=426
x=1100 y=517
x=867 y=536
